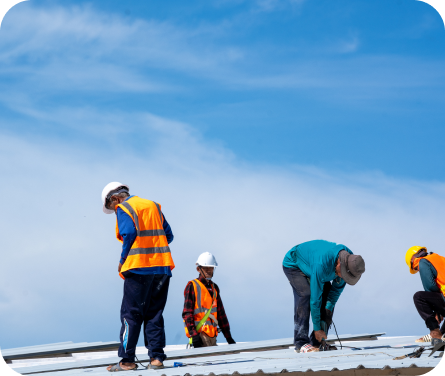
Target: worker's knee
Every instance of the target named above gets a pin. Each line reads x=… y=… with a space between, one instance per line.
x=305 y=295
x=417 y=296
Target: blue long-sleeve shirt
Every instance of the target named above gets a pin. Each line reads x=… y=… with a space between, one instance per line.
x=317 y=260
x=127 y=230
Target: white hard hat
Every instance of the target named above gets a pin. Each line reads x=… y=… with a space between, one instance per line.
x=107 y=190
x=206 y=259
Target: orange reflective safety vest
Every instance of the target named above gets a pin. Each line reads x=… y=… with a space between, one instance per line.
x=150 y=247
x=439 y=264
x=203 y=302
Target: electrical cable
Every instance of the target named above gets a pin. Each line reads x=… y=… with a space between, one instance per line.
x=341 y=346
x=140 y=362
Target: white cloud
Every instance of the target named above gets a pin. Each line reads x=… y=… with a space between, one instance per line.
x=60 y=254
x=84 y=49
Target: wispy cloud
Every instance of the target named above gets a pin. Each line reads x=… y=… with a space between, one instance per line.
x=79 y=47
x=82 y=49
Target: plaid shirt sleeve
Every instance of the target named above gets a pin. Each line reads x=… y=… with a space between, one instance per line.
x=189 y=306
x=223 y=322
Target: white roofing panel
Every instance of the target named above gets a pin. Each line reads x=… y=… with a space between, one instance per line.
x=372 y=355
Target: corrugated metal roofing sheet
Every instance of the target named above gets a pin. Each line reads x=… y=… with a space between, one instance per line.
x=372 y=355
x=172 y=355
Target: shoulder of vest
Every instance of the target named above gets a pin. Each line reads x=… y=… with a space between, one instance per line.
x=139 y=199
x=192 y=282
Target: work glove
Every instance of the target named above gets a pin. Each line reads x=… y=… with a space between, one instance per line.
x=197 y=341
x=230 y=341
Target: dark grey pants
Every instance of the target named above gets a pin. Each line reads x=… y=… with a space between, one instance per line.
x=302 y=308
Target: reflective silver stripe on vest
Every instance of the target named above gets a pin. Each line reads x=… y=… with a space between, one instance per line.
x=159 y=211
x=203 y=310
x=152 y=233
x=133 y=213
x=198 y=289
x=148 y=251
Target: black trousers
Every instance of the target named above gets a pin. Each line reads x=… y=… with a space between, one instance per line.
x=429 y=304
x=143 y=304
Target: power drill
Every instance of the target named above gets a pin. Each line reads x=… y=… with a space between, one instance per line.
x=325 y=347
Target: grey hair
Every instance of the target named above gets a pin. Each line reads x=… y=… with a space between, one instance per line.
x=117 y=195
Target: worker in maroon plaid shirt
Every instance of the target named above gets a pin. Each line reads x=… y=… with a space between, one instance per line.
x=202 y=295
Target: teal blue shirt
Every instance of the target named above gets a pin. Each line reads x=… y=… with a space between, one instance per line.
x=428 y=275
x=317 y=260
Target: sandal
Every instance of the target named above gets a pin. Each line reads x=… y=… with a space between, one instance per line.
x=117 y=368
x=308 y=348
x=151 y=366
x=427 y=338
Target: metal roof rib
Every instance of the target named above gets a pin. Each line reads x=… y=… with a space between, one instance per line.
x=57 y=349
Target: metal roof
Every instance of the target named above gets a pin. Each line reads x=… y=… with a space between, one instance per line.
x=57 y=349
x=172 y=355
x=255 y=357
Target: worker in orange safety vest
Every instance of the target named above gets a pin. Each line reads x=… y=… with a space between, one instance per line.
x=429 y=303
x=203 y=309
x=145 y=265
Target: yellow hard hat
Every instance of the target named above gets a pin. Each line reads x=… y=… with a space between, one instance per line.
x=409 y=254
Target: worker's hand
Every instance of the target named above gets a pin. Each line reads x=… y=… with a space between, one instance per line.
x=197 y=341
x=119 y=267
x=230 y=341
x=320 y=335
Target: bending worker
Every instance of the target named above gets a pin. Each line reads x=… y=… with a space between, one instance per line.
x=203 y=307
x=145 y=265
x=310 y=268
x=429 y=303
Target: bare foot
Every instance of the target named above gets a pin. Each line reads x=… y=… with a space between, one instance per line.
x=156 y=362
x=125 y=366
x=436 y=333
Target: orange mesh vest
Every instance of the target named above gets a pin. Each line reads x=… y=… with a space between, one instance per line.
x=439 y=264
x=150 y=247
x=203 y=302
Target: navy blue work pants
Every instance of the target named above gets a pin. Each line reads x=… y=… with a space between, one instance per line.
x=143 y=303
x=302 y=307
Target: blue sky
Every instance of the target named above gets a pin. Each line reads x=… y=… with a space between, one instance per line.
x=280 y=121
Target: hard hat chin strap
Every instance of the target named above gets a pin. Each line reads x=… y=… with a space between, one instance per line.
x=202 y=273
